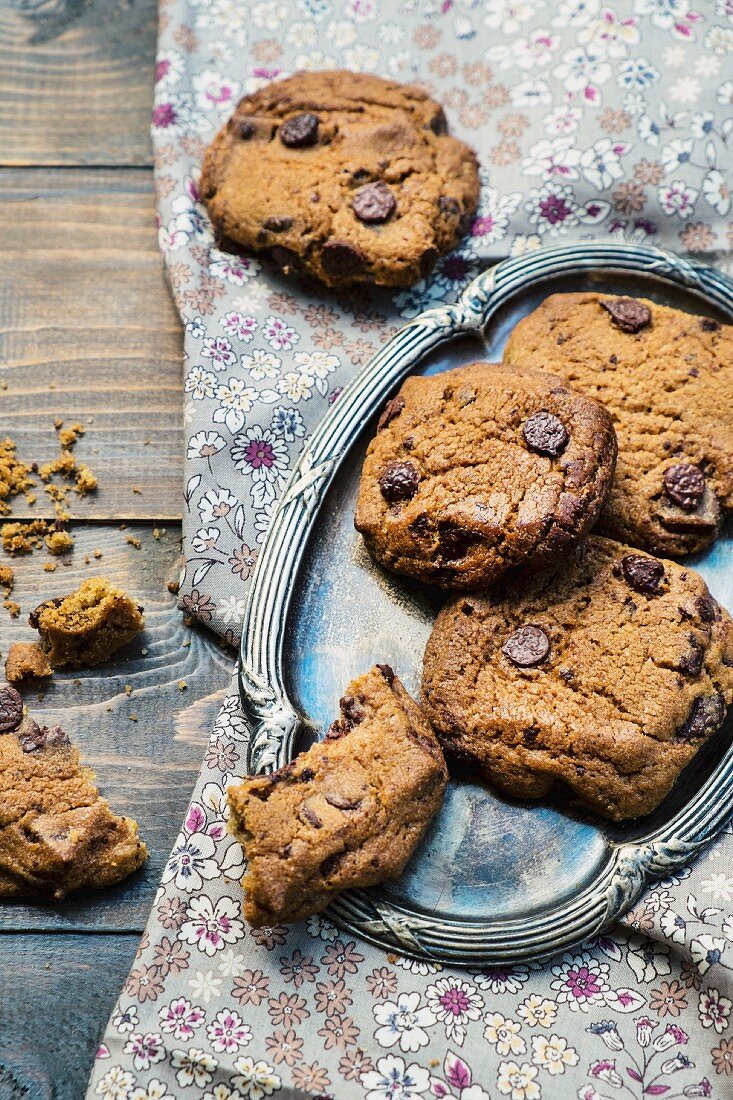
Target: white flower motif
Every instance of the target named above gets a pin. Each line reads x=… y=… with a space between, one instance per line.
x=261 y=364
x=228 y=1032
x=531 y=92
x=116 y=1084
x=210 y=927
x=239 y=325
x=673 y=925
x=171 y=237
x=205 y=986
x=216 y=504
x=552 y=160
x=611 y=33
x=191 y=218
x=552 y=208
x=537 y=1011
x=677 y=198
x=146 y=1049
x=254 y=1080
x=601 y=163
x=581 y=981
x=169 y=69
x=529 y=53
x=200 y=383
x=393 y=1080
x=195 y=1067
x=504 y=1034
x=553 y=1054
x=205 y=445
x=563 y=120
x=237 y=270
x=261 y=453
x=211 y=89
x=647 y=959
x=181 y=1019
x=279 y=334
x=454 y=1003
x=501 y=979
x=196 y=327
x=717 y=193
x=725 y=93
x=231 y=610
x=714 y=1010
x=125 y=1021
x=719 y=40
x=677 y=153
x=362 y=58
x=583 y=70
x=154 y=1090
x=518 y=1082
x=508 y=15
x=235 y=399
x=637 y=73
x=219 y=350
x=524 y=243
x=403 y=1022
x=190 y=862
x=288 y=423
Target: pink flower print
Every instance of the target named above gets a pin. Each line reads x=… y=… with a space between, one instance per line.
x=279 y=334
x=146 y=1049
x=228 y=1032
x=181 y=1019
x=580 y=981
x=341 y=958
x=219 y=350
x=164 y=116
x=210 y=927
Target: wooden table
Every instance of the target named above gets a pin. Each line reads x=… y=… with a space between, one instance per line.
x=88 y=332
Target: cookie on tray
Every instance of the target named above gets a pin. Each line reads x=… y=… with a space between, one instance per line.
x=480 y=469
x=342 y=176
x=608 y=672
x=57 y=834
x=349 y=812
x=666 y=377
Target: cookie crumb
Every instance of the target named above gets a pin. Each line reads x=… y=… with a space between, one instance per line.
x=128 y=689
x=50 y=566
x=12 y=608
x=26 y=661
x=134 y=541
x=133 y=718
x=59 y=542
x=182 y=685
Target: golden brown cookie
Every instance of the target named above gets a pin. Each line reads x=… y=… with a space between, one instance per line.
x=343 y=176
x=608 y=672
x=56 y=833
x=26 y=661
x=84 y=628
x=349 y=812
x=480 y=469
x=666 y=377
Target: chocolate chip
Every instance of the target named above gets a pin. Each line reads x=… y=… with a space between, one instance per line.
x=421 y=527
x=341 y=258
x=707 y=609
x=352 y=710
x=580 y=769
x=11 y=709
x=685 y=485
x=707 y=324
x=278 y=225
x=331 y=863
x=546 y=434
x=306 y=775
x=567 y=674
x=707 y=713
x=428 y=261
x=374 y=203
x=288 y=261
x=439 y=123
x=308 y=814
x=388 y=673
x=338 y=729
x=43 y=738
x=299 y=131
x=342 y=801
x=390 y=412
x=691 y=662
x=454 y=542
x=243 y=128
x=399 y=481
x=628 y=314
x=448 y=205
x=526 y=647
x=643 y=574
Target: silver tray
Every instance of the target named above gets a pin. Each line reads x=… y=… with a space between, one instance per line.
x=494 y=881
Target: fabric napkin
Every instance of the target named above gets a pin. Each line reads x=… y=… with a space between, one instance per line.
x=591 y=122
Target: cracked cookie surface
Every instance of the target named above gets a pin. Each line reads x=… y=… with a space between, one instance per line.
x=343 y=176
x=349 y=812
x=608 y=671
x=666 y=377
x=480 y=469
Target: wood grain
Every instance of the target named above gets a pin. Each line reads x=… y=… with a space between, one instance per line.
x=88 y=332
x=147 y=768
x=56 y=994
x=76 y=82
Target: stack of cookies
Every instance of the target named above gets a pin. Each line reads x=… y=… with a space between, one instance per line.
x=547 y=494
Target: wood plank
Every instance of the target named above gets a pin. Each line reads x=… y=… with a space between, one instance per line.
x=88 y=332
x=56 y=994
x=147 y=767
x=76 y=83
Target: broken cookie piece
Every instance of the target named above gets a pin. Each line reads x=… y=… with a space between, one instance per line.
x=56 y=833
x=347 y=813
x=84 y=628
x=26 y=661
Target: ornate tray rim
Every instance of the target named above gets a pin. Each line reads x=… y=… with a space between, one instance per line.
x=275 y=722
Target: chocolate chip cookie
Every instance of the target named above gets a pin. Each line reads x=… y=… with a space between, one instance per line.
x=57 y=834
x=349 y=812
x=86 y=627
x=666 y=377
x=607 y=671
x=480 y=469
x=342 y=176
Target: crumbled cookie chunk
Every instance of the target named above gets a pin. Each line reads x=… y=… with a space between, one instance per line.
x=84 y=628
x=59 y=542
x=343 y=176
x=349 y=812
x=480 y=469
x=15 y=476
x=608 y=671
x=666 y=377
x=56 y=832
x=23 y=537
x=26 y=661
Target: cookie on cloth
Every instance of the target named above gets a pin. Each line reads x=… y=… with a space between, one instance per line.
x=343 y=176
x=480 y=469
x=608 y=671
x=666 y=377
x=349 y=812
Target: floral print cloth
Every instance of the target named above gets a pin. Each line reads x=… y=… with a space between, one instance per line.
x=591 y=121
